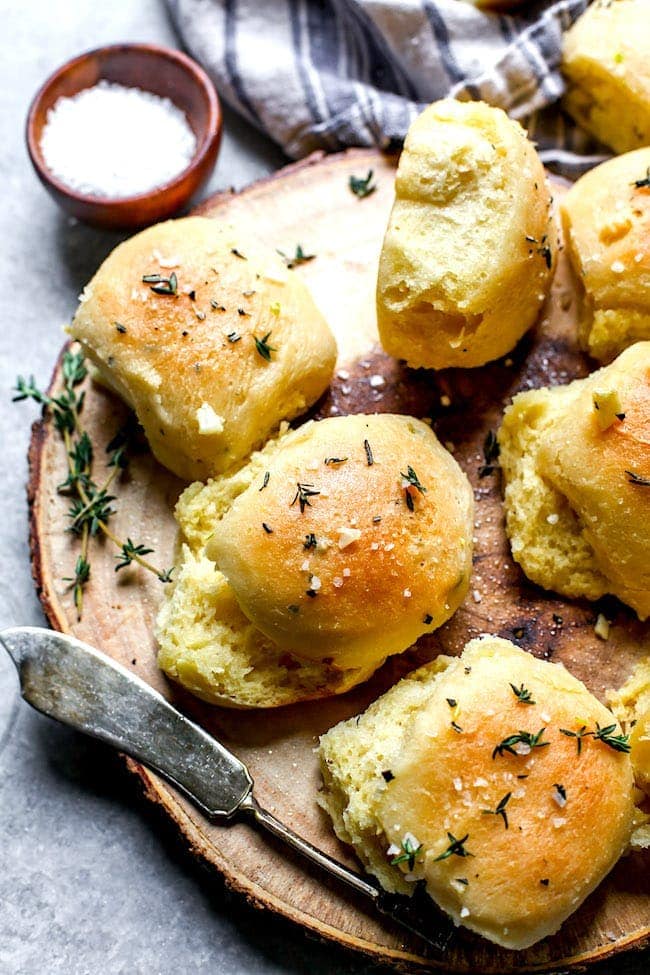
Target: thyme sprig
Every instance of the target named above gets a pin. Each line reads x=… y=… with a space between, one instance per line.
x=409 y=853
x=637 y=479
x=303 y=493
x=411 y=480
x=530 y=739
x=362 y=186
x=456 y=848
x=490 y=455
x=263 y=347
x=161 y=285
x=500 y=809
x=300 y=257
x=619 y=743
x=522 y=694
x=90 y=508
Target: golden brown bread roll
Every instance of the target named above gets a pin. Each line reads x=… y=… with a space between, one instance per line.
x=205 y=641
x=467 y=775
x=606 y=62
x=576 y=463
x=468 y=255
x=606 y=217
x=357 y=542
x=213 y=356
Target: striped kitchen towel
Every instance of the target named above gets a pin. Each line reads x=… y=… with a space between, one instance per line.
x=335 y=73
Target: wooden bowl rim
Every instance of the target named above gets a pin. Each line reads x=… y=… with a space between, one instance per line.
x=205 y=144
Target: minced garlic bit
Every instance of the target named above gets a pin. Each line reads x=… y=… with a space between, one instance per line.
x=209 y=421
x=347 y=536
x=608 y=407
x=601 y=627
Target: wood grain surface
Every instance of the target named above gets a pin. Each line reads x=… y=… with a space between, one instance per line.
x=310 y=203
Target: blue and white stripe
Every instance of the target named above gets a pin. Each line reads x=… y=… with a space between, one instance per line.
x=335 y=73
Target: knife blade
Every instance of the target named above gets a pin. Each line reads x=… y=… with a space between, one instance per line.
x=78 y=685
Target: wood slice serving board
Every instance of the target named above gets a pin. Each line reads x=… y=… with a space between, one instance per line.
x=310 y=203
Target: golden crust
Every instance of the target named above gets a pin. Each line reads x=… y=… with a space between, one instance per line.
x=607 y=229
x=205 y=401
x=387 y=561
x=522 y=881
x=576 y=500
x=606 y=62
x=468 y=255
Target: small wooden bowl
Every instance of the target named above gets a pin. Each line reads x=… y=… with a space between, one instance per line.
x=156 y=69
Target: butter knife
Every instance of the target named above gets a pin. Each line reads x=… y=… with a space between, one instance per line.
x=78 y=685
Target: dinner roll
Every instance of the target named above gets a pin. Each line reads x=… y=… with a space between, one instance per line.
x=468 y=255
x=606 y=63
x=467 y=775
x=208 y=337
x=576 y=463
x=207 y=645
x=357 y=542
x=205 y=641
x=606 y=217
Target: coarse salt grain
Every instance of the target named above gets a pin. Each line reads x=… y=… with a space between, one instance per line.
x=376 y=381
x=113 y=141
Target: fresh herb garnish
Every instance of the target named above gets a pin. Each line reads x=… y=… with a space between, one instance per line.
x=128 y=553
x=233 y=250
x=267 y=528
x=522 y=694
x=427 y=619
x=267 y=478
x=452 y=702
x=333 y=461
x=619 y=743
x=490 y=454
x=578 y=735
x=456 y=848
x=362 y=186
x=78 y=581
x=500 y=809
x=526 y=738
x=303 y=494
x=120 y=328
x=635 y=478
x=215 y=304
x=561 y=791
x=160 y=285
x=310 y=541
x=263 y=347
x=244 y=313
x=233 y=337
x=387 y=775
x=408 y=855
x=639 y=183
x=298 y=258
x=456 y=727
x=411 y=480
x=90 y=509
x=370 y=460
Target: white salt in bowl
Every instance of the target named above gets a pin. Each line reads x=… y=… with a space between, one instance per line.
x=161 y=71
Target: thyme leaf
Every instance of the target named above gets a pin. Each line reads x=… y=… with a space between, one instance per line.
x=362 y=186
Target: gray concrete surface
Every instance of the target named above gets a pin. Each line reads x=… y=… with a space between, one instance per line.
x=90 y=880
